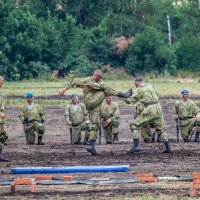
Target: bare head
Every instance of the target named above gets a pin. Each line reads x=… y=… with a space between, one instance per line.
x=97 y=75
x=108 y=100
x=139 y=82
x=1 y=81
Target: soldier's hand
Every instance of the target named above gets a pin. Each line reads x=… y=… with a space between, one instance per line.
x=62 y=91
x=2 y=115
x=87 y=85
x=69 y=123
x=175 y=116
x=108 y=121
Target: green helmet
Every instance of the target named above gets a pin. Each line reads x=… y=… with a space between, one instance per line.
x=41 y=128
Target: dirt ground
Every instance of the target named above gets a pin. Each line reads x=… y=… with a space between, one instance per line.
x=57 y=151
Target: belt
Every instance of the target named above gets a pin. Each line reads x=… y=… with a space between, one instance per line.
x=185 y=118
x=151 y=103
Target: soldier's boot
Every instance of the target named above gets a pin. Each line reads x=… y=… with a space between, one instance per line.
x=135 y=147
x=167 y=148
x=40 y=141
x=147 y=140
x=153 y=137
x=125 y=94
x=115 y=138
x=86 y=142
x=158 y=138
x=3 y=159
x=91 y=148
x=197 y=137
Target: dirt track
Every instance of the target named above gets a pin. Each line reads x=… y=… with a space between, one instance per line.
x=57 y=151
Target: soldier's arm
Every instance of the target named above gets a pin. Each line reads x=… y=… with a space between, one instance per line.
x=21 y=114
x=41 y=113
x=196 y=111
x=134 y=98
x=115 y=112
x=67 y=114
x=175 y=111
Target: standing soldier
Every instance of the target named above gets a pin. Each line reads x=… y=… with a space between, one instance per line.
x=94 y=91
x=109 y=114
x=188 y=114
x=76 y=116
x=3 y=134
x=32 y=117
x=152 y=114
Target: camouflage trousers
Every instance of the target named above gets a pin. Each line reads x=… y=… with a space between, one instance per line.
x=186 y=128
x=110 y=129
x=151 y=115
x=3 y=135
x=30 y=130
x=146 y=134
x=76 y=132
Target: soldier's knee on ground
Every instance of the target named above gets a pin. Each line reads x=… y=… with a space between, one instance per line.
x=115 y=123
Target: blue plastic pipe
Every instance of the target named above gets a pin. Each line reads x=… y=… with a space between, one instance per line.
x=70 y=169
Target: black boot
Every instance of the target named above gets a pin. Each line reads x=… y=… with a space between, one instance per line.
x=167 y=148
x=86 y=142
x=91 y=148
x=158 y=138
x=197 y=137
x=153 y=137
x=3 y=159
x=135 y=147
x=40 y=141
x=126 y=94
x=115 y=138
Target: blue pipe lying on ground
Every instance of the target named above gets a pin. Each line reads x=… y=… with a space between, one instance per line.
x=70 y=169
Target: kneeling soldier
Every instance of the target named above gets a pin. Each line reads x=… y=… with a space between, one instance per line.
x=76 y=116
x=32 y=117
x=109 y=113
x=3 y=134
x=188 y=114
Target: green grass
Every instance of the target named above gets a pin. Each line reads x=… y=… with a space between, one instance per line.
x=164 y=86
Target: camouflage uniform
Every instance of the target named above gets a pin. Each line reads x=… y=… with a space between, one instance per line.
x=34 y=117
x=110 y=112
x=93 y=98
x=3 y=134
x=78 y=121
x=146 y=132
x=186 y=111
x=152 y=114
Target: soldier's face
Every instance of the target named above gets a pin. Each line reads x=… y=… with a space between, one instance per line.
x=108 y=100
x=30 y=99
x=74 y=100
x=1 y=82
x=184 y=96
x=137 y=84
x=96 y=77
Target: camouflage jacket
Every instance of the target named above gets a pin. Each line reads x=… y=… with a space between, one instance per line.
x=76 y=117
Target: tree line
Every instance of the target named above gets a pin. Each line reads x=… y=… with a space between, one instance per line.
x=38 y=37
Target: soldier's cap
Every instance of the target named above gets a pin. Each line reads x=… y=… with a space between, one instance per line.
x=184 y=92
x=139 y=79
x=74 y=95
x=29 y=95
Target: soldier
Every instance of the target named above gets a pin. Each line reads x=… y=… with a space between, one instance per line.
x=32 y=117
x=3 y=134
x=188 y=114
x=109 y=113
x=152 y=113
x=94 y=91
x=146 y=131
x=76 y=116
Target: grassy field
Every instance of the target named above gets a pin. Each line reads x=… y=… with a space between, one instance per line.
x=164 y=86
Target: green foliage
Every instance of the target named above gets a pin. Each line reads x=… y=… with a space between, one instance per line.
x=150 y=52
x=38 y=35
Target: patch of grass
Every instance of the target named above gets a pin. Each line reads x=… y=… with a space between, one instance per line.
x=164 y=86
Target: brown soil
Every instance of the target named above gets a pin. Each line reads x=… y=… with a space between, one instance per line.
x=57 y=151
